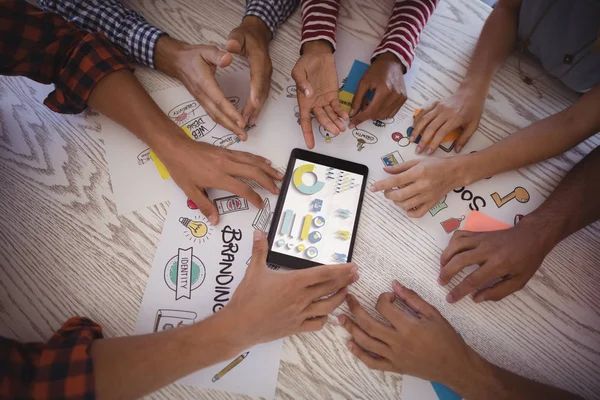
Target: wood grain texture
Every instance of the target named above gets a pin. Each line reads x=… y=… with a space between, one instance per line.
x=64 y=251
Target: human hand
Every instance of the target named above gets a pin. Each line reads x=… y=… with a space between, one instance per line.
x=509 y=257
x=195 y=67
x=460 y=111
x=417 y=185
x=196 y=166
x=420 y=343
x=317 y=90
x=251 y=40
x=386 y=77
x=270 y=305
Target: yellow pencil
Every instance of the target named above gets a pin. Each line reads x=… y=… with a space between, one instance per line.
x=230 y=366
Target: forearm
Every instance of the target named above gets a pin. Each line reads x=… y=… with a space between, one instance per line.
x=483 y=380
x=540 y=141
x=130 y=367
x=496 y=42
x=121 y=98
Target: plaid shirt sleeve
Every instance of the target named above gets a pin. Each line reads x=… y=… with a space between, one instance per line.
x=62 y=368
x=126 y=28
x=44 y=47
x=272 y=12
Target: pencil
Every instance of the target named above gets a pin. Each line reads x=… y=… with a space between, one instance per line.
x=230 y=366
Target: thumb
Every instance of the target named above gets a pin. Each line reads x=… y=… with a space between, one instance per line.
x=466 y=135
x=217 y=57
x=302 y=84
x=207 y=208
x=260 y=248
x=236 y=41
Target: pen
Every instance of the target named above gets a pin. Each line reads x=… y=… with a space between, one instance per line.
x=230 y=366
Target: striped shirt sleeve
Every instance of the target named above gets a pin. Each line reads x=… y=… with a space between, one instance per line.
x=319 y=20
x=124 y=27
x=405 y=25
x=272 y=12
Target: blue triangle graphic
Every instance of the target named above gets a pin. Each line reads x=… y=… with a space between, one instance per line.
x=444 y=392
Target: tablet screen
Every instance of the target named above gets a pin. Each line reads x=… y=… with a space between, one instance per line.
x=318 y=214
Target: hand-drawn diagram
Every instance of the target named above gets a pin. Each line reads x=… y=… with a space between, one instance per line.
x=363 y=137
x=226 y=141
x=169 y=319
x=439 y=206
x=475 y=202
x=191 y=205
x=262 y=221
x=230 y=366
x=144 y=157
x=517 y=219
x=291 y=91
x=326 y=134
x=452 y=224
x=184 y=273
x=197 y=231
x=381 y=123
x=235 y=101
x=230 y=204
x=200 y=126
x=392 y=159
x=184 y=112
x=399 y=138
x=520 y=194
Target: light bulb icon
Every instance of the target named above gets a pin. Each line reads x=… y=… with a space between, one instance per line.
x=198 y=229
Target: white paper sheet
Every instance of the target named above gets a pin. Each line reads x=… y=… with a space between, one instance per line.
x=174 y=296
x=419 y=389
x=135 y=180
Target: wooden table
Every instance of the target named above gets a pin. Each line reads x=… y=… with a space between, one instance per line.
x=65 y=251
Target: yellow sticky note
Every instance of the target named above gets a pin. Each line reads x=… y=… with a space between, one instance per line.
x=346 y=100
x=162 y=170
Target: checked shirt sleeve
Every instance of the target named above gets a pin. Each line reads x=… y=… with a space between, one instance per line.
x=404 y=28
x=272 y=12
x=44 y=47
x=62 y=368
x=126 y=28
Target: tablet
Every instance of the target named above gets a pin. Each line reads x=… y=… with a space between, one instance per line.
x=317 y=213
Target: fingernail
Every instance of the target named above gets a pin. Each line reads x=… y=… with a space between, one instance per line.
x=253 y=121
x=478 y=299
x=341 y=319
x=450 y=298
x=356 y=277
x=350 y=345
x=429 y=151
x=352 y=111
x=241 y=123
x=396 y=282
x=350 y=125
x=279 y=175
x=372 y=188
x=277 y=190
x=268 y=161
x=212 y=219
x=440 y=281
x=257 y=235
x=419 y=150
x=458 y=148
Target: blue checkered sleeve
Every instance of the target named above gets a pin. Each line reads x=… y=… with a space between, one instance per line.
x=272 y=12
x=125 y=28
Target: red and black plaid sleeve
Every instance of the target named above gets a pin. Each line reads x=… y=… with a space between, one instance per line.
x=44 y=47
x=62 y=368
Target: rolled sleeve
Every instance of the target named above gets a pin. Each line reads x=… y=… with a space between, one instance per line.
x=62 y=368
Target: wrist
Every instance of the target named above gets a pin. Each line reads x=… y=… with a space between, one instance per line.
x=257 y=27
x=475 y=86
x=389 y=57
x=476 y=376
x=544 y=231
x=167 y=53
x=463 y=170
x=317 y=47
x=221 y=332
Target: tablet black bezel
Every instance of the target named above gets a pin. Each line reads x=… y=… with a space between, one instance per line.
x=284 y=260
